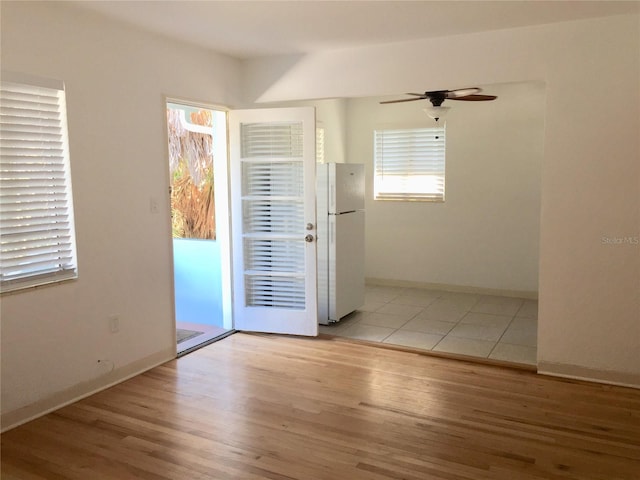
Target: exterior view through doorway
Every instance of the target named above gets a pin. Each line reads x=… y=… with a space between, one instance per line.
x=197 y=144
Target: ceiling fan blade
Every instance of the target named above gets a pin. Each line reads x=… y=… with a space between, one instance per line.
x=404 y=100
x=462 y=92
x=475 y=98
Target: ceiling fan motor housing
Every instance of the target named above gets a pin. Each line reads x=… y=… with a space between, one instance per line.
x=436 y=98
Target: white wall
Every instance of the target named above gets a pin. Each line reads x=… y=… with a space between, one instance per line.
x=331 y=114
x=116 y=80
x=485 y=234
x=589 y=291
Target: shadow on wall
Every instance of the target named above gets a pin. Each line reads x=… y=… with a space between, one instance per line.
x=271 y=71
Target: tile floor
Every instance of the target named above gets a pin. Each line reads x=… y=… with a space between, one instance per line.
x=499 y=328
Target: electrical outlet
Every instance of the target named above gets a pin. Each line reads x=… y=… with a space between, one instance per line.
x=114 y=324
x=153 y=205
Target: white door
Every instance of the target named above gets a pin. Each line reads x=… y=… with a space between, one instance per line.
x=273 y=217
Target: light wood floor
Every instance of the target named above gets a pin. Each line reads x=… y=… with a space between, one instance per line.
x=282 y=408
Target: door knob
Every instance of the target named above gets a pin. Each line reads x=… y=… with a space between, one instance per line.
x=308 y=238
x=309 y=226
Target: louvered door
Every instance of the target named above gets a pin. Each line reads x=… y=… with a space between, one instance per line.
x=273 y=220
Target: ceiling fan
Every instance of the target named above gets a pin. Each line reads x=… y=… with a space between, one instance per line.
x=437 y=97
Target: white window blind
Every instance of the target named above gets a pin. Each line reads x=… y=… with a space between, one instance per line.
x=409 y=164
x=273 y=214
x=37 y=239
x=319 y=144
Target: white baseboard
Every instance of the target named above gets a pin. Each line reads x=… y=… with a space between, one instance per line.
x=575 y=372
x=22 y=415
x=533 y=295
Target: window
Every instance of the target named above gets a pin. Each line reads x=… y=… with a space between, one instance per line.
x=409 y=164
x=37 y=238
x=319 y=143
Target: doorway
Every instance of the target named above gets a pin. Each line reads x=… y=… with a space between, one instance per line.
x=197 y=144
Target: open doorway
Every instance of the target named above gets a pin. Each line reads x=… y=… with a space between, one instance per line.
x=459 y=276
x=197 y=141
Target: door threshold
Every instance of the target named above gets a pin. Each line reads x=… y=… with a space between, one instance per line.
x=207 y=340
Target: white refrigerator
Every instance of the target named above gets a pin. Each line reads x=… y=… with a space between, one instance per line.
x=340 y=207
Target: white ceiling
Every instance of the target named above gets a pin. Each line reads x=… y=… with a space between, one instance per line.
x=248 y=29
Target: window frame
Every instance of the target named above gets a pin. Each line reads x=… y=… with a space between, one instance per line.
x=411 y=151
x=52 y=234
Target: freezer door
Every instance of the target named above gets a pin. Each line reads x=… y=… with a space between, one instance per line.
x=346 y=187
x=346 y=264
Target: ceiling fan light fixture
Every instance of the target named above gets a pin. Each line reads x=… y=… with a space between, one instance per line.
x=436 y=112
